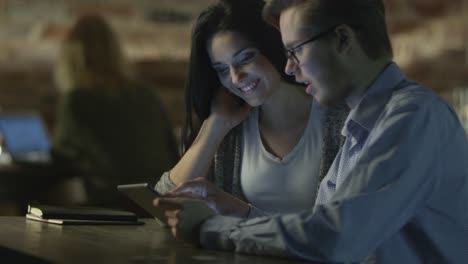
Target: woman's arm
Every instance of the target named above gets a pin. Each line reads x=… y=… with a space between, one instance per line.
x=196 y=162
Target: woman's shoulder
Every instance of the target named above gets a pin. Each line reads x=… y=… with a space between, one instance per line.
x=84 y=93
x=78 y=96
x=141 y=89
x=78 y=92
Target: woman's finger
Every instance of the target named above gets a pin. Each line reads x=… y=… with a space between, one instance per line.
x=173 y=222
x=172 y=213
x=188 y=188
x=168 y=203
x=174 y=231
x=186 y=195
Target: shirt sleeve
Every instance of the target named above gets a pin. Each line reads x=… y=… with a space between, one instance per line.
x=165 y=184
x=255 y=212
x=391 y=181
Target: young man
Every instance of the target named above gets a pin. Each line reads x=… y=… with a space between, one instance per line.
x=397 y=191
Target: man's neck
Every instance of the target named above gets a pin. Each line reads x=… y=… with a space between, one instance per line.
x=365 y=77
x=286 y=105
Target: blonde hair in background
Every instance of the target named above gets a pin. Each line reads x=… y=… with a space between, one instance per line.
x=91 y=58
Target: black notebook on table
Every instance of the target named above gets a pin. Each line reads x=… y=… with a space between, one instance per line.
x=63 y=215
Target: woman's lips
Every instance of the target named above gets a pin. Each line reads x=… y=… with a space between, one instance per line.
x=250 y=88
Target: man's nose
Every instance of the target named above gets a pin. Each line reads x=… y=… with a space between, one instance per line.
x=291 y=67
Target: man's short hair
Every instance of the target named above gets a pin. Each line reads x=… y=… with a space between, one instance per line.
x=366 y=17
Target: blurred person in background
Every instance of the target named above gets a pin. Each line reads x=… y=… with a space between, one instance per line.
x=112 y=126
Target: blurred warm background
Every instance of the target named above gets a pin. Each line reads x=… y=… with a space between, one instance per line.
x=155 y=36
x=430 y=39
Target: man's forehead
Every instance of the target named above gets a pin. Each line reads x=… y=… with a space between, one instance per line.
x=292 y=25
x=290 y=16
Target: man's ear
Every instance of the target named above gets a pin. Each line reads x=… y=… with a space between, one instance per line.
x=346 y=38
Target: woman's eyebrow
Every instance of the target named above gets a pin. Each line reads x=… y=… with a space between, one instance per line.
x=233 y=56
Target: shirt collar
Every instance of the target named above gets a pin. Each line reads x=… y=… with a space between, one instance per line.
x=366 y=108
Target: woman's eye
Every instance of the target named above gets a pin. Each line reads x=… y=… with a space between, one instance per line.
x=222 y=71
x=247 y=57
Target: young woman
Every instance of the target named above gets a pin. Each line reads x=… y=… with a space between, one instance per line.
x=263 y=142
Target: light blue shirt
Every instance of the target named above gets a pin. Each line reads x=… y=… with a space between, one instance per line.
x=404 y=198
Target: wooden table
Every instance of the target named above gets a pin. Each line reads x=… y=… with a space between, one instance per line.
x=148 y=243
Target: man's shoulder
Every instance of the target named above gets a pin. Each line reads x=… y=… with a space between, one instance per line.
x=413 y=96
x=412 y=93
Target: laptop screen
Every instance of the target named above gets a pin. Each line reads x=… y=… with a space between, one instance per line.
x=24 y=133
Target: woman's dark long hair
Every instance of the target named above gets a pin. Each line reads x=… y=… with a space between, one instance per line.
x=241 y=16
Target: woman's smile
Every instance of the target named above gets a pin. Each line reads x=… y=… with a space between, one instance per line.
x=249 y=88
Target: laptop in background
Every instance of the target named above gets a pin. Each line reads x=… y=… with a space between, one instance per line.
x=25 y=138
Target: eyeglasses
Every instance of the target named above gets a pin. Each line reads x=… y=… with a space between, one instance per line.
x=291 y=53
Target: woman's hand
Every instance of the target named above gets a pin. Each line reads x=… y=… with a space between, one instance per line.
x=185 y=216
x=218 y=200
x=227 y=110
x=197 y=160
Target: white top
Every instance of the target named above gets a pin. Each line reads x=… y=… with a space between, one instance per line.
x=287 y=185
